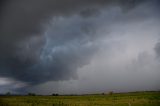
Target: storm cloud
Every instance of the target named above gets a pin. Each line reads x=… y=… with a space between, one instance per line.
x=52 y=40
x=157 y=49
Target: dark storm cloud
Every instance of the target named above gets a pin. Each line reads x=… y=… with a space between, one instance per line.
x=157 y=49
x=31 y=55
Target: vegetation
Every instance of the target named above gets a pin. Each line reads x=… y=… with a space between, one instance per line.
x=115 y=99
x=110 y=93
x=55 y=94
x=31 y=94
x=8 y=93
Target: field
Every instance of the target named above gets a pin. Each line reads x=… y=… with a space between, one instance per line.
x=116 y=99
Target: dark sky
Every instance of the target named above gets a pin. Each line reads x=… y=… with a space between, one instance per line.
x=79 y=46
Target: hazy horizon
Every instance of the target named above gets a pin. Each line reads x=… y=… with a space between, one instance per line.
x=79 y=46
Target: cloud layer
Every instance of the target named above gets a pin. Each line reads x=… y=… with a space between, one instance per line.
x=50 y=40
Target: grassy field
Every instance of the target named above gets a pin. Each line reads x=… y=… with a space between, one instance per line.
x=116 y=99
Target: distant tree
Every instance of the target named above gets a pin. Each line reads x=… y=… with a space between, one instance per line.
x=55 y=94
x=31 y=94
x=110 y=93
x=8 y=93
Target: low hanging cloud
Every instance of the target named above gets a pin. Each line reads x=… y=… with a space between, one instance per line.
x=49 y=40
x=32 y=55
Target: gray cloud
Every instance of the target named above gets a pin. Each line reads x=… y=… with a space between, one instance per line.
x=23 y=39
x=49 y=40
x=157 y=49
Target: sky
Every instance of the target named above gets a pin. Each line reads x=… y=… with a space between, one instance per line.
x=79 y=46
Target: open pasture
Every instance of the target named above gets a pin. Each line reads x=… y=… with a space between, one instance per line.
x=116 y=99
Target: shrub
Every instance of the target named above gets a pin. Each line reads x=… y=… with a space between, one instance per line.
x=31 y=94
x=55 y=94
x=8 y=93
x=110 y=93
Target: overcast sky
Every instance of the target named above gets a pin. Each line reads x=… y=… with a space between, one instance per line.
x=79 y=46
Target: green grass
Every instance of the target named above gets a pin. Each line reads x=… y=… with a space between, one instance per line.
x=118 y=99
